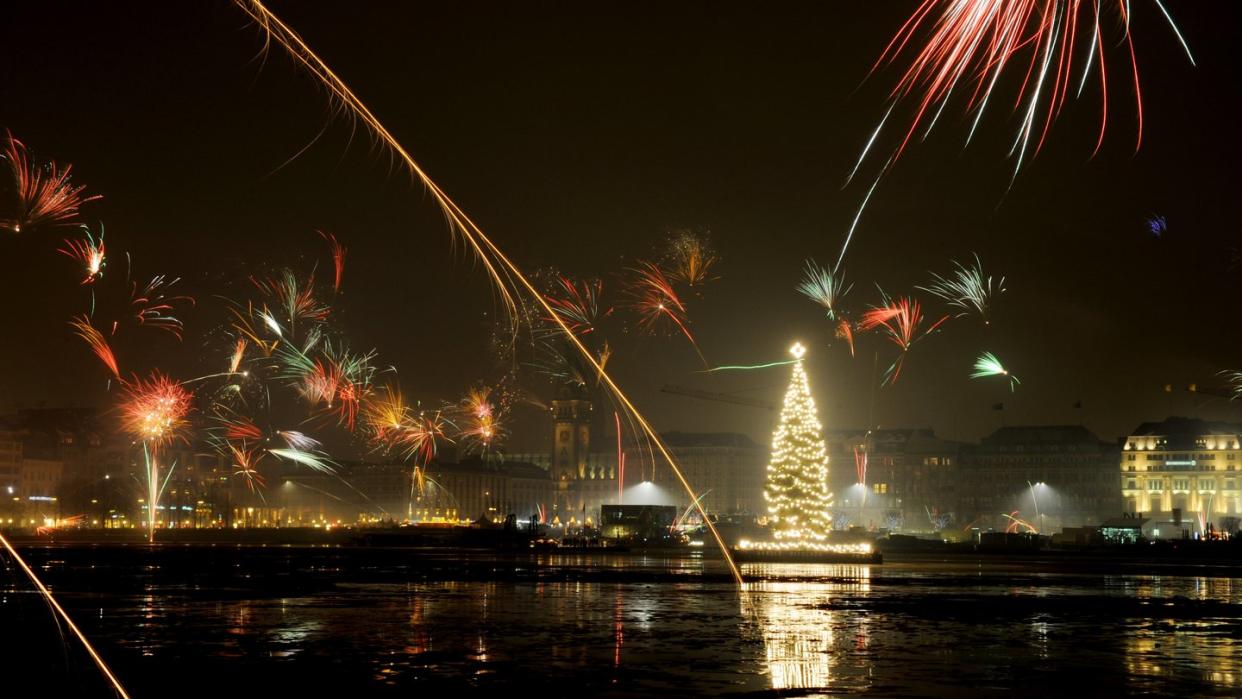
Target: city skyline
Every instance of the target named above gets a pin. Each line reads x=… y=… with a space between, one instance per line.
x=1073 y=343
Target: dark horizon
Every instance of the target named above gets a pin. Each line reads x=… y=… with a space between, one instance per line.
x=578 y=137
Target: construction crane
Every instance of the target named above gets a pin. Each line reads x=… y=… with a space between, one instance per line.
x=718 y=397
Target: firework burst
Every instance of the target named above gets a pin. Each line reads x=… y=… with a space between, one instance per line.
x=689 y=258
x=578 y=304
x=421 y=436
x=295 y=299
x=967 y=288
x=987 y=365
x=386 y=414
x=481 y=422
x=655 y=302
x=901 y=321
x=89 y=252
x=43 y=196
x=824 y=286
x=245 y=463
x=156 y=410
x=972 y=43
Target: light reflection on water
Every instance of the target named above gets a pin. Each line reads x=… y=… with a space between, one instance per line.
x=650 y=625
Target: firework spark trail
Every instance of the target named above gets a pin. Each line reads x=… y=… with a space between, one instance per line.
x=239 y=353
x=845 y=331
x=51 y=600
x=748 y=367
x=616 y=416
x=860 y=464
x=500 y=268
x=298 y=441
x=98 y=344
x=967 y=288
x=987 y=365
x=824 y=286
x=241 y=429
x=1234 y=380
x=90 y=252
x=338 y=259
x=45 y=195
x=314 y=460
x=151 y=306
x=1015 y=522
x=970 y=44
x=973 y=41
x=901 y=320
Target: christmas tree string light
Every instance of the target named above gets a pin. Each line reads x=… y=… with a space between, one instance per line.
x=799 y=501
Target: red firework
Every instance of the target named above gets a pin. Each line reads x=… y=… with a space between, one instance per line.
x=902 y=321
x=972 y=42
x=44 y=196
x=655 y=301
x=245 y=460
x=338 y=259
x=156 y=410
x=98 y=344
x=90 y=252
x=328 y=384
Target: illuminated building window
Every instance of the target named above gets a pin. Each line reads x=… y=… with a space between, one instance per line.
x=1131 y=484
x=1206 y=484
x=1229 y=484
x=1181 y=484
x=1155 y=486
x=880 y=488
x=1130 y=457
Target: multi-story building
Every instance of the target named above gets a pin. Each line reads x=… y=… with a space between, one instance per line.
x=1047 y=477
x=726 y=470
x=1184 y=471
x=900 y=479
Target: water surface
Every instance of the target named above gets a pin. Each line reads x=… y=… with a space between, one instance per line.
x=229 y=621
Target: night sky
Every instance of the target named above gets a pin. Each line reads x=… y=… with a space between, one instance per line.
x=577 y=135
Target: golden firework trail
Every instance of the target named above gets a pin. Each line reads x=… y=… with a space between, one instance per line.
x=51 y=600
x=507 y=278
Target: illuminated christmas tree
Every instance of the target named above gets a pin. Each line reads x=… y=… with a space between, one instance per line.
x=797 y=485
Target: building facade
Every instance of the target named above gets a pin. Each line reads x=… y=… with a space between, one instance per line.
x=898 y=479
x=1184 y=472
x=726 y=470
x=1044 y=477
